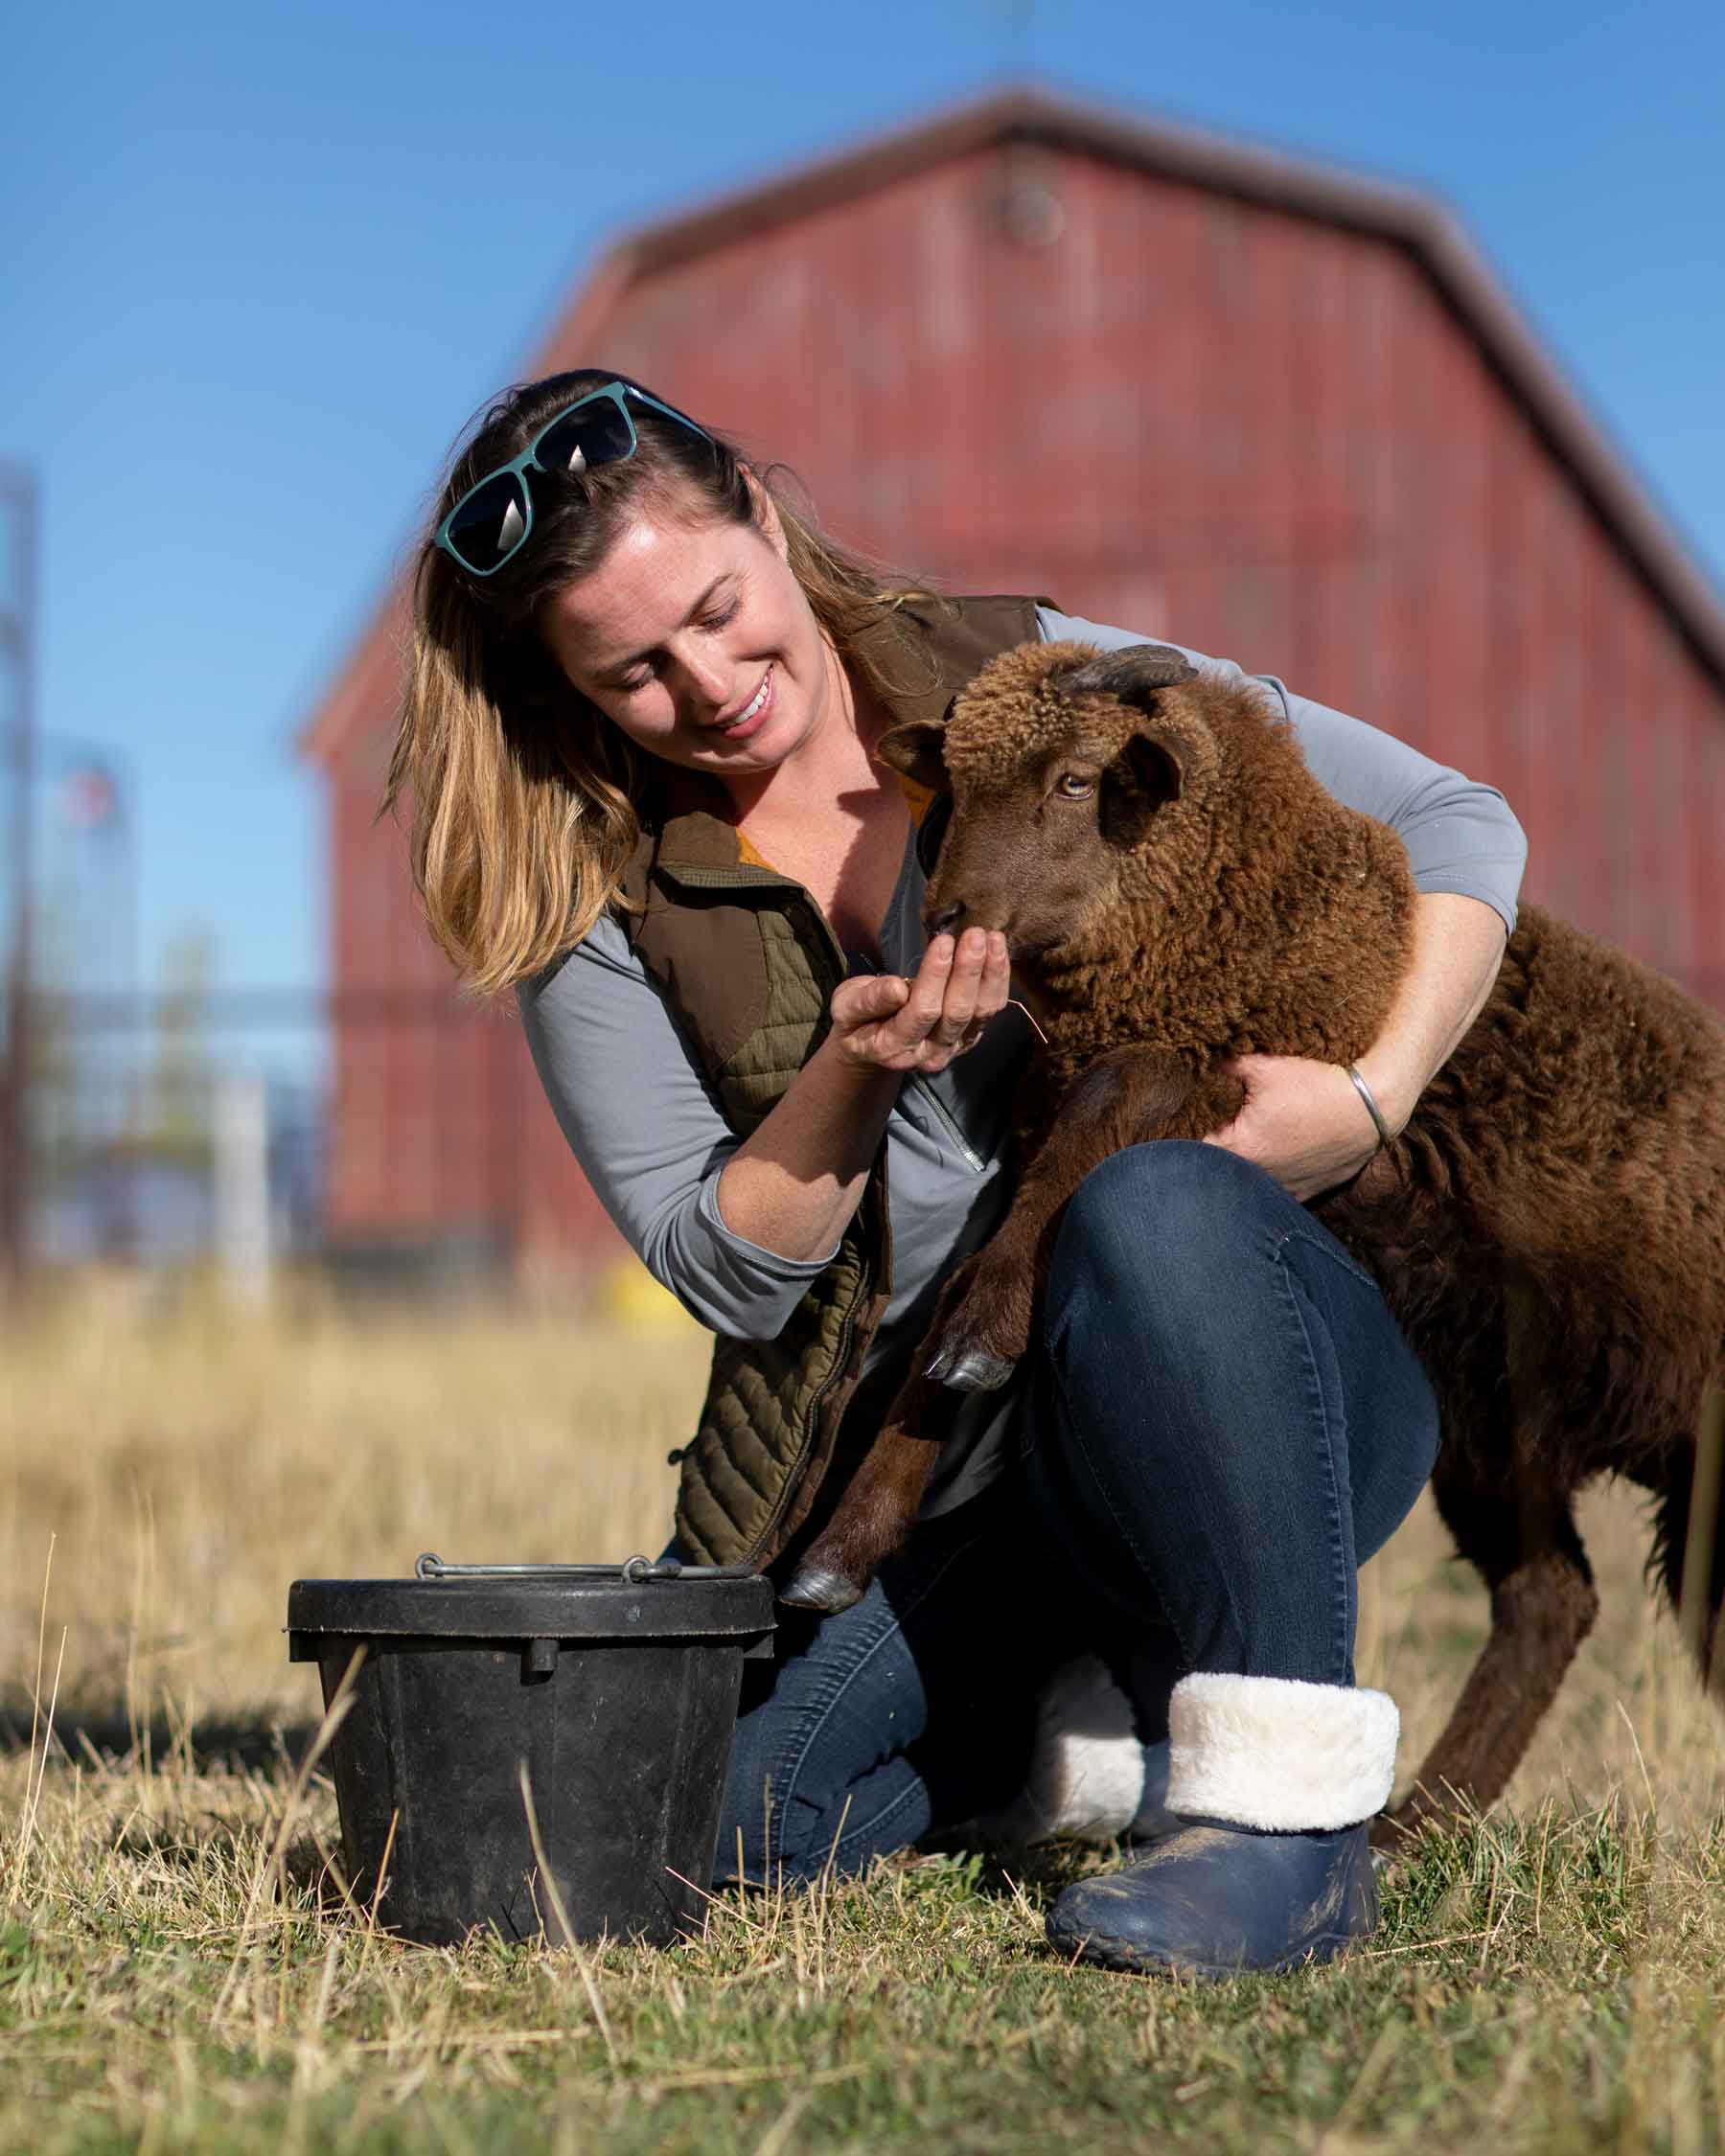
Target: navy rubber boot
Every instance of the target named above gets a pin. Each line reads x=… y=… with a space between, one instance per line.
x=1254 y=1853
x=1215 y=1900
x=1153 y=1820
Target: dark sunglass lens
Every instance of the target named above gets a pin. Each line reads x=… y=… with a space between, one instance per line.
x=595 y=433
x=488 y=526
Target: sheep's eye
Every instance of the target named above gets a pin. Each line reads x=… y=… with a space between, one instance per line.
x=1071 y=786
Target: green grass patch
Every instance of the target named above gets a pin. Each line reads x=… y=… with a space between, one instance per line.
x=178 y=1971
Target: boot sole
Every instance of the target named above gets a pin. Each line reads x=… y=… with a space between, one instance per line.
x=1107 y=1953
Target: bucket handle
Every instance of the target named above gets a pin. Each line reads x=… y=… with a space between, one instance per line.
x=634 y=1570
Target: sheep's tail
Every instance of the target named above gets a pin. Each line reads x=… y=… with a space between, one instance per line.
x=1689 y=1531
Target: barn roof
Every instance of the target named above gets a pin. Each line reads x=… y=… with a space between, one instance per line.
x=1245 y=171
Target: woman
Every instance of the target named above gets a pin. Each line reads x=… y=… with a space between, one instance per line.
x=637 y=742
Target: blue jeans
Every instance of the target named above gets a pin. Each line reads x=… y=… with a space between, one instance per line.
x=1225 y=1423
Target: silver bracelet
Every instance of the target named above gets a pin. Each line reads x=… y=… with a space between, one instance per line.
x=1371 y=1107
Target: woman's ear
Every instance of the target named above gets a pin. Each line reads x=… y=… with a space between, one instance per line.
x=767 y=515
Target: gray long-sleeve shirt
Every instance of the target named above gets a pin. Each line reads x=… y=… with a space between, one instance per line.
x=652 y=1140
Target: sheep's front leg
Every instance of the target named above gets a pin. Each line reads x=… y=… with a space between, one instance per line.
x=1125 y=1097
x=880 y=1502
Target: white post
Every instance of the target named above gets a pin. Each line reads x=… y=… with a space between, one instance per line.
x=242 y=1186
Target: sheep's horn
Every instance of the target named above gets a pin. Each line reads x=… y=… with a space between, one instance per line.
x=1130 y=673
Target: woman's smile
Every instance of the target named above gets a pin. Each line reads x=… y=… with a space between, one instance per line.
x=753 y=716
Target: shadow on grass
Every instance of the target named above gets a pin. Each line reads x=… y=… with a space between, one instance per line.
x=1013 y=1874
x=106 y=1735
x=312 y=1869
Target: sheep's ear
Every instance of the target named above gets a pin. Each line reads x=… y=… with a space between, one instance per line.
x=1132 y=675
x=918 y=749
x=1148 y=773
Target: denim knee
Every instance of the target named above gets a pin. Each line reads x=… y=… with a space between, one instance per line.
x=790 y=1766
x=1159 y=1232
x=763 y=1840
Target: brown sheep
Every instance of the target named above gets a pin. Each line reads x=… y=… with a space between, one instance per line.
x=1549 y=1230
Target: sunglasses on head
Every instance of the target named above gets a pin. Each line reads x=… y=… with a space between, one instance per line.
x=490 y=523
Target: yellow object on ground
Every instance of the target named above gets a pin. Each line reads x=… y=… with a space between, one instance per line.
x=628 y=1295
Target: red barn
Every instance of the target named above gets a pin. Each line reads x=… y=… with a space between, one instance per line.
x=1269 y=409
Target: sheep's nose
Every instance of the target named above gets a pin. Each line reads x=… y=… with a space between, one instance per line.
x=945 y=920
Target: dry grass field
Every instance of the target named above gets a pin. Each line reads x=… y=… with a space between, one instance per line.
x=178 y=1971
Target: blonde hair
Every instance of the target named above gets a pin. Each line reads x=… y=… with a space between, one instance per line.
x=526 y=802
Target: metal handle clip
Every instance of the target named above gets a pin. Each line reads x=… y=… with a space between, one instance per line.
x=633 y=1572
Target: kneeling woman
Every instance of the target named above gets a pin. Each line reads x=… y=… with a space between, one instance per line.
x=638 y=749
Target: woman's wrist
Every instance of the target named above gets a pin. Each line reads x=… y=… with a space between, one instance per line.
x=1458 y=949
x=841 y=1064
x=1394 y=1083
x=793 y=1184
x=1369 y=1100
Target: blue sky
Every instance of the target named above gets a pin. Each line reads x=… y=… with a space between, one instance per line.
x=258 y=263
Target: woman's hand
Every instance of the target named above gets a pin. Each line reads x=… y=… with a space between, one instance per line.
x=793 y=1184
x=882 y=1021
x=1302 y=1121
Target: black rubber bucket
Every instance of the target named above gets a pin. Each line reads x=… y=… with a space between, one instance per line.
x=615 y=1686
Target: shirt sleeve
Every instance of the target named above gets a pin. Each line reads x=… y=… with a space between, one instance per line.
x=650 y=1137
x=1461 y=836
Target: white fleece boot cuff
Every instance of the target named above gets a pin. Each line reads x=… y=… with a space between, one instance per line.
x=1281 y=1756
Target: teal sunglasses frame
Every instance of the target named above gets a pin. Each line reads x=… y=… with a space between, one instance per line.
x=617 y=393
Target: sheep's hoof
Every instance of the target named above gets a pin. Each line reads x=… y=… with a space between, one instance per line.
x=815 y=1587
x=967 y=1370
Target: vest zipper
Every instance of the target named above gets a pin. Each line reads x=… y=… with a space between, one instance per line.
x=713 y=878
x=810 y=1431
x=716 y=877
